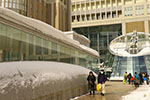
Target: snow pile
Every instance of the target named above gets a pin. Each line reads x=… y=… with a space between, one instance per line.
x=30 y=80
x=141 y=93
x=116 y=78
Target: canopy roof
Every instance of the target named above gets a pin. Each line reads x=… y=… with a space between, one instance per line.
x=131 y=44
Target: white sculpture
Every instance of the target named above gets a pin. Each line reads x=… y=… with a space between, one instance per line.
x=134 y=40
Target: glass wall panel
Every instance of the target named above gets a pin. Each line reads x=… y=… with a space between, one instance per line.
x=130 y=65
x=100 y=37
x=16 y=45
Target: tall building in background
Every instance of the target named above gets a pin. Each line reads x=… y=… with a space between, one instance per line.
x=54 y=12
x=103 y=20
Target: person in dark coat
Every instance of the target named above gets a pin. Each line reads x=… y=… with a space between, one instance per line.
x=136 y=80
x=147 y=80
x=91 y=83
x=129 y=77
x=101 y=81
x=141 y=78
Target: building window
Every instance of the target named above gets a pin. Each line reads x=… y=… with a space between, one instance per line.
x=6 y=3
x=13 y=5
x=17 y=3
x=83 y=17
x=98 y=16
x=103 y=16
x=128 y=11
x=139 y=10
x=93 y=16
x=73 y=18
x=9 y=3
x=88 y=17
x=148 y=9
x=78 y=18
x=54 y=48
x=2 y=3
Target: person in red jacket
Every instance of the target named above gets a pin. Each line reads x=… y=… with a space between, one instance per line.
x=132 y=80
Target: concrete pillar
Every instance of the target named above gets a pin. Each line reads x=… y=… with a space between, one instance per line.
x=122 y=1
x=95 y=10
x=85 y=12
x=145 y=8
x=75 y=11
x=133 y=3
x=57 y=21
x=123 y=28
x=146 y=26
x=116 y=8
x=80 y=12
x=110 y=8
x=100 y=9
x=90 y=10
x=105 y=10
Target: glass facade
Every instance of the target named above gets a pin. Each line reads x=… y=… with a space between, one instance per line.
x=100 y=37
x=130 y=65
x=131 y=54
x=19 y=45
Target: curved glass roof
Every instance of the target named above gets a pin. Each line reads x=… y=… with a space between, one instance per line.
x=131 y=44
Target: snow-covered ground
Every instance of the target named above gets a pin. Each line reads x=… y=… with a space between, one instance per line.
x=29 y=80
x=141 y=93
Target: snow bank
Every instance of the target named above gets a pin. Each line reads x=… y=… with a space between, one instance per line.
x=34 y=80
x=141 y=93
x=116 y=78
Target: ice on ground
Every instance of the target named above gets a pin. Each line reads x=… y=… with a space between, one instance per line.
x=141 y=93
x=32 y=79
x=78 y=97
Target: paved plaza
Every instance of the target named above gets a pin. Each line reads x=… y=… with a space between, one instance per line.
x=114 y=91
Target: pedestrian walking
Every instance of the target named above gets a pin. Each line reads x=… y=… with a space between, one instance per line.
x=141 y=78
x=132 y=80
x=136 y=80
x=91 y=83
x=144 y=78
x=147 y=79
x=126 y=77
x=129 y=77
x=101 y=81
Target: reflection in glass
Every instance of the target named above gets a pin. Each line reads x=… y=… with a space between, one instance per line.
x=17 y=45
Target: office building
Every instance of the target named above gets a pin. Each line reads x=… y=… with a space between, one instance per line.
x=104 y=20
x=54 y=12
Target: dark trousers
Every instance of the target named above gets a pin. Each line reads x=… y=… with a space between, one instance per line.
x=136 y=84
x=92 y=89
x=147 y=81
x=129 y=80
x=141 y=81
